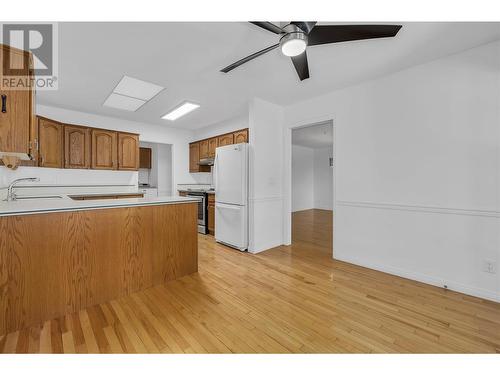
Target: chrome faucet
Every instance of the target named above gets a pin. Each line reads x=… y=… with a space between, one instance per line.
x=10 y=190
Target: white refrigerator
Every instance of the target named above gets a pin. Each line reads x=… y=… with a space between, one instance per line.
x=231 y=195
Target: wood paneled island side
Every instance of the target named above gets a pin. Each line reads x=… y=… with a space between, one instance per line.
x=55 y=263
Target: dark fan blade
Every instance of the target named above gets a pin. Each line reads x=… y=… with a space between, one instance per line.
x=301 y=66
x=269 y=26
x=305 y=26
x=323 y=34
x=248 y=58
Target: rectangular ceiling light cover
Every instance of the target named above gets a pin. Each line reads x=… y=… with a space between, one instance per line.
x=125 y=103
x=137 y=88
x=180 y=111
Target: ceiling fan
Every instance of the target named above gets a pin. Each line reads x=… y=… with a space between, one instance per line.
x=295 y=37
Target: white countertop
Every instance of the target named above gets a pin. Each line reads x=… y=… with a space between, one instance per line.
x=65 y=203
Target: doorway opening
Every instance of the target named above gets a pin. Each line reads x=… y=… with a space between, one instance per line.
x=155 y=169
x=312 y=187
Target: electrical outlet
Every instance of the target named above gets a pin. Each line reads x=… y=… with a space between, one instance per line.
x=490 y=266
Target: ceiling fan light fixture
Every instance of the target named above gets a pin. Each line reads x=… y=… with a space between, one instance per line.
x=293 y=44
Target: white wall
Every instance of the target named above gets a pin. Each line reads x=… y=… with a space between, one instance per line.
x=266 y=175
x=322 y=179
x=302 y=178
x=179 y=139
x=417 y=170
x=56 y=176
x=164 y=162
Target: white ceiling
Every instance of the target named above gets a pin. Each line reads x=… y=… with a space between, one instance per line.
x=314 y=136
x=185 y=58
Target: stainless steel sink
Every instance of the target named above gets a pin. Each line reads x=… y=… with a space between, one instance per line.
x=25 y=197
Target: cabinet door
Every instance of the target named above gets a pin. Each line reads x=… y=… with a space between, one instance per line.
x=226 y=139
x=241 y=136
x=212 y=145
x=145 y=157
x=104 y=145
x=211 y=214
x=204 y=149
x=128 y=151
x=76 y=147
x=50 y=138
x=194 y=157
x=18 y=126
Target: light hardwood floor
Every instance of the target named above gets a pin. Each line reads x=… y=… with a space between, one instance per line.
x=289 y=299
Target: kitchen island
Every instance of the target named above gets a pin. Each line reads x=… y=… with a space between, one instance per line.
x=58 y=256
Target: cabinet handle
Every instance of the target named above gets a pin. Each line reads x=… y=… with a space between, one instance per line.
x=4 y=103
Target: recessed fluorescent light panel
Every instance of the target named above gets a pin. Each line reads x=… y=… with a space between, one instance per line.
x=136 y=88
x=125 y=103
x=131 y=93
x=180 y=111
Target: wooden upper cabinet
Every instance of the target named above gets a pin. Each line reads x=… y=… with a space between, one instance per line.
x=204 y=149
x=18 y=125
x=50 y=138
x=194 y=157
x=241 y=136
x=104 y=149
x=212 y=145
x=128 y=151
x=226 y=139
x=76 y=147
x=145 y=154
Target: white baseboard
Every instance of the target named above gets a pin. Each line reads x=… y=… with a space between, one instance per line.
x=426 y=279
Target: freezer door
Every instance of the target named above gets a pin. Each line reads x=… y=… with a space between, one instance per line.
x=231 y=225
x=231 y=174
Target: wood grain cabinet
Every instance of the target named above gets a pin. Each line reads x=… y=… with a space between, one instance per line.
x=194 y=157
x=128 y=151
x=76 y=147
x=212 y=145
x=145 y=154
x=104 y=149
x=211 y=214
x=241 y=136
x=206 y=148
x=204 y=151
x=18 y=125
x=226 y=139
x=51 y=143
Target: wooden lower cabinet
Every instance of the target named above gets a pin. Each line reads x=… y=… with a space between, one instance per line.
x=50 y=143
x=76 y=147
x=54 y=264
x=128 y=152
x=211 y=214
x=104 y=149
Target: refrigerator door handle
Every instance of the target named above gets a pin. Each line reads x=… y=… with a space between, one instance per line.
x=228 y=206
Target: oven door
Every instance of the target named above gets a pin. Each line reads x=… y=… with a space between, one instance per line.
x=202 y=214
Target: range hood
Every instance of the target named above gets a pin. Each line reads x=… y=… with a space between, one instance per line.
x=206 y=161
